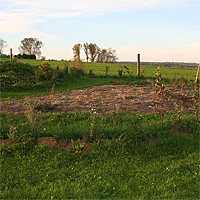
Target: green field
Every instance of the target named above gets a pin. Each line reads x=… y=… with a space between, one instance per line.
x=99 y=69
x=123 y=164
x=100 y=78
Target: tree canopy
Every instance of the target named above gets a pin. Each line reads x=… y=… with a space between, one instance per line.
x=77 y=51
x=31 y=46
x=3 y=45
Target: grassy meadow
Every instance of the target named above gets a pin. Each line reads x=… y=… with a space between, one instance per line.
x=123 y=164
x=99 y=77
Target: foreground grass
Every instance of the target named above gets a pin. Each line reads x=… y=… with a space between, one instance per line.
x=167 y=169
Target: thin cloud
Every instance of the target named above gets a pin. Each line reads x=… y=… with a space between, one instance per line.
x=101 y=5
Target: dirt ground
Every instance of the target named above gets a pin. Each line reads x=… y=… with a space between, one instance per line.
x=105 y=99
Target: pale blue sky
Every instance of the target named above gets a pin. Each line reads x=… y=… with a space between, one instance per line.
x=160 y=30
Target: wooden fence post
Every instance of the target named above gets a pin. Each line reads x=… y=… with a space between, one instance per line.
x=138 y=64
x=10 y=54
x=197 y=73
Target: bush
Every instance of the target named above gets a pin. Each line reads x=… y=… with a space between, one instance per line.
x=77 y=69
x=16 y=73
x=45 y=72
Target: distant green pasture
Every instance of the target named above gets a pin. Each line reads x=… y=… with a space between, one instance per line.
x=146 y=71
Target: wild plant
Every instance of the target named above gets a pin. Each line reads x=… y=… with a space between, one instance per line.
x=181 y=83
x=29 y=131
x=151 y=82
x=107 y=68
x=95 y=131
x=77 y=146
x=120 y=71
x=196 y=104
x=128 y=71
x=77 y=69
x=177 y=115
x=44 y=72
x=162 y=95
x=91 y=73
x=47 y=104
x=66 y=68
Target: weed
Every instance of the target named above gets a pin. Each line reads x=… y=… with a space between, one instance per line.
x=45 y=72
x=96 y=133
x=196 y=104
x=107 y=68
x=181 y=83
x=47 y=103
x=120 y=71
x=162 y=94
x=77 y=146
x=151 y=82
x=27 y=132
x=77 y=69
x=128 y=71
x=91 y=73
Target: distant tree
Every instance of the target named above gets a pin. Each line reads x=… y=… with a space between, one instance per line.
x=102 y=56
x=31 y=46
x=93 y=50
x=3 y=45
x=86 y=50
x=107 y=56
x=77 y=51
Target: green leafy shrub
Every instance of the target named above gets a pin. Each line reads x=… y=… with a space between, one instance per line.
x=45 y=72
x=16 y=73
x=77 y=69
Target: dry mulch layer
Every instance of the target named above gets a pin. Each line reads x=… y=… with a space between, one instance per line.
x=104 y=99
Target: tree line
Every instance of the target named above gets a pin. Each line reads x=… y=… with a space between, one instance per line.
x=29 y=48
x=94 y=53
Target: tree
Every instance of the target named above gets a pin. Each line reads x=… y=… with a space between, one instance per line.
x=107 y=56
x=31 y=46
x=77 y=51
x=102 y=56
x=86 y=50
x=3 y=45
x=94 y=50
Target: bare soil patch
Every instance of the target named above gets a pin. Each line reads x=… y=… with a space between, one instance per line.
x=105 y=99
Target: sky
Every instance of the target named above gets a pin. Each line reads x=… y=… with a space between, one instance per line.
x=158 y=30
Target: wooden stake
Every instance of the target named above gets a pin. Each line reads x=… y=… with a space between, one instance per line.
x=197 y=73
x=10 y=54
x=138 y=64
